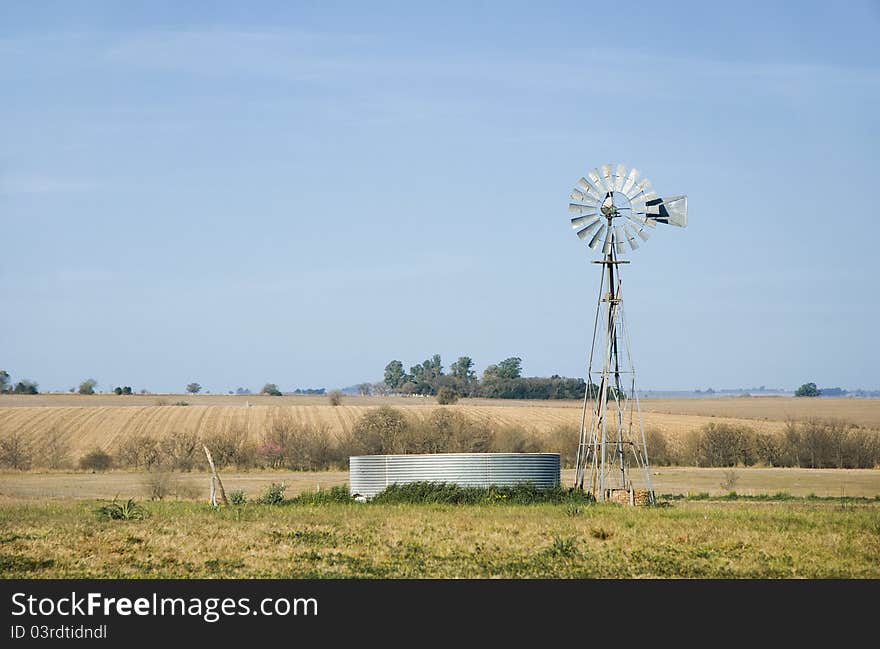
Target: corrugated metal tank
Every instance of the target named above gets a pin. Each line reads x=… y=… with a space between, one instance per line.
x=370 y=474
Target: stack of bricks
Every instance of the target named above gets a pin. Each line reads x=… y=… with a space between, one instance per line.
x=641 y=497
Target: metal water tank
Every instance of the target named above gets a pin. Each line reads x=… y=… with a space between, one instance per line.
x=370 y=474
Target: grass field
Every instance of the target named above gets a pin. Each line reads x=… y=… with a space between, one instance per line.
x=102 y=421
x=688 y=539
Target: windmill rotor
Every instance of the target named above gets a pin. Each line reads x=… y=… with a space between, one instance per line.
x=615 y=191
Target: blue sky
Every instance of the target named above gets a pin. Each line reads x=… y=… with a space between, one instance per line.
x=237 y=193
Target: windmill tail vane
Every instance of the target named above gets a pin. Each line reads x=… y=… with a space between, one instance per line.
x=614 y=210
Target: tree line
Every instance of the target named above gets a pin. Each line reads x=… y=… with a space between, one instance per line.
x=502 y=380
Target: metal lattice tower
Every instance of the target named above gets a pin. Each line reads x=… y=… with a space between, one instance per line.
x=614 y=209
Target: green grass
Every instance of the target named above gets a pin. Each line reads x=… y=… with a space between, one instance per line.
x=322 y=538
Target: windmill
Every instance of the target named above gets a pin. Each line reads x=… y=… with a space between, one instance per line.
x=614 y=209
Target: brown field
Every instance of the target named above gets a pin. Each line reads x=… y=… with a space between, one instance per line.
x=103 y=420
x=32 y=486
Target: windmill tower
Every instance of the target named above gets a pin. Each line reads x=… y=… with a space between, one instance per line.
x=613 y=209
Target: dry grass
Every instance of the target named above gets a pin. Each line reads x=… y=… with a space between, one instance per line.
x=20 y=487
x=713 y=540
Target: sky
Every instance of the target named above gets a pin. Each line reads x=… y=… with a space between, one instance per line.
x=240 y=193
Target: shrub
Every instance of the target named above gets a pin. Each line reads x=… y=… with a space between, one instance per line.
x=237 y=498
x=335 y=398
x=562 y=546
x=16 y=451
x=296 y=445
x=659 y=453
x=731 y=478
x=445 y=431
x=447 y=396
x=514 y=439
x=139 y=451
x=274 y=494
x=336 y=494
x=231 y=447
x=822 y=443
x=96 y=460
x=53 y=449
x=26 y=386
x=87 y=386
x=159 y=484
x=721 y=444
x=384 y=430
x=121 y=511
x=180 y=451
x=271 y=389
x=563 y=440
x=450 y=493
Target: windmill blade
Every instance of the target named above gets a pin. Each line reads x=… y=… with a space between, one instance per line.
x=608 y=176
x=644 y=185
x=591 y=190
x=630 y=181
x=645 y=219
x=598 y=182
x=581 y=221
x=574 y=208
x=630 y=235
x=583 y=234
x=644 y=234
x=595 y=240
x=619 y=240
x=578 y=196
x=676 y=207
x=619 y=177
x=609 y=241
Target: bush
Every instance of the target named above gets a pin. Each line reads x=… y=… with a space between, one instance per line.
x=563 y=440
x=514 y=439
x=237 y=498
x=446 y=431
x=16 y=451
x=818 y=443
x=87 y=386
x=231 y=447
x=659 y=453
x=159 y=484
x=447 y=396
x=297 y=446
x=180 y=451
x=450 y=493
x=271 y=389
x=721 y=444
x=96 y=460
x=384 y=430
x=274 y=494
x=139 y=451
x=335 y=398
x=26 y=386
x=807 y=390
x=337 y=494
x=121 y=511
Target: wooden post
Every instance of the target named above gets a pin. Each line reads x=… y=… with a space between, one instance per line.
x=215 y=475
